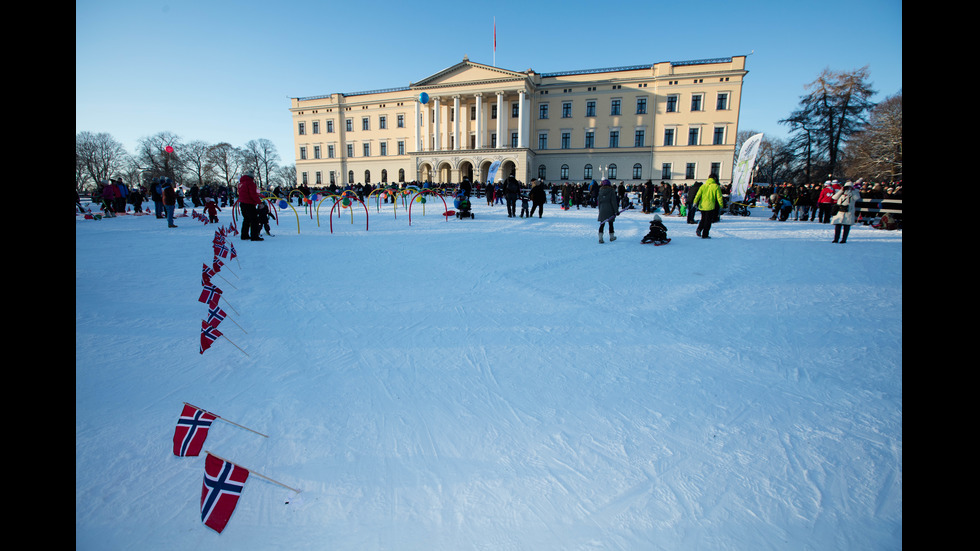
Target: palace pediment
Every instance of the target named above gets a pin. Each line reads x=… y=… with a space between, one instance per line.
x=468 y=72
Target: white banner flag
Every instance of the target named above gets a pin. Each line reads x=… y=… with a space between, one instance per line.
x=743 y=168
x=492 y=173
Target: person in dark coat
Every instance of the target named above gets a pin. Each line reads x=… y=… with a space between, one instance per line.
x=608 y=208
x=538 y=197
x=512 y=188
x=691 y=207
x=646 y=195
x=196 y=196
x=135 y=198
x=156 y=195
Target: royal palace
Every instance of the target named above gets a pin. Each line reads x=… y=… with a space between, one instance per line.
x=669 y=121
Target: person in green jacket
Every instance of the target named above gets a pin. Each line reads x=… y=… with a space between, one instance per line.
x=709 y=201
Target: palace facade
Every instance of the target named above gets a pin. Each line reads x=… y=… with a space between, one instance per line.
x=670 y=121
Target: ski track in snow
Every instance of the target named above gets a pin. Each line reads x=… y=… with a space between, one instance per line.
x=496 y=383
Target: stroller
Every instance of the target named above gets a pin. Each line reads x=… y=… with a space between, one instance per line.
x=658 y=232
x=463 y=206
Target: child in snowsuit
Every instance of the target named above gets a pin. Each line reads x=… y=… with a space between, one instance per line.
x=263 y=212
x=525 y=213
x=212 y=209
x=657 y=233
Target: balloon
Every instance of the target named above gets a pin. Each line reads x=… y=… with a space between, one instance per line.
x=423 y=98
x=282 y=203
x=170 y=149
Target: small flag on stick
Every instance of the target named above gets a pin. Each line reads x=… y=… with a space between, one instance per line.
x=192 y=430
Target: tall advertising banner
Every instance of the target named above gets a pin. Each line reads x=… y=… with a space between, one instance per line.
x=742 y=176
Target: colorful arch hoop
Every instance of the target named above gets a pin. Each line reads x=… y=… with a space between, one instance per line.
x=366 y=221
x=423 y=192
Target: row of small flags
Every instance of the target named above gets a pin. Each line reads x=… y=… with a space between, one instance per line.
x=223 y=479
x=201 y=217
x=211 y=294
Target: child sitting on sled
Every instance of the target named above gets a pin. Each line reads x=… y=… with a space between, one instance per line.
x=658 y=232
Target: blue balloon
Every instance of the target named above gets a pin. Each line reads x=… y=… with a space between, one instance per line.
x=424 y=98
x=282 y=203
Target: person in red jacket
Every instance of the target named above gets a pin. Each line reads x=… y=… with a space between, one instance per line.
x=248 y=199
x=824 y=202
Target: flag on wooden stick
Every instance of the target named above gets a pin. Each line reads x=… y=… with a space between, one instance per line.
x=192 y=430
x=209 y=334
x=223 y=485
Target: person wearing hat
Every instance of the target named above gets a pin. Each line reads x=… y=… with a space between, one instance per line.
x=845 y=200
x=608 y=208
x=248 y=199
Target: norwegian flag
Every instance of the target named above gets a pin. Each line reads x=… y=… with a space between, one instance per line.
x=217 y=264
x=210 y=294
x=215 y=316
x=232 y=248
x=206 y=274
x=232 y=229
x=209 y=334
x=223 y=485
x=192 y=430
x=220 y=249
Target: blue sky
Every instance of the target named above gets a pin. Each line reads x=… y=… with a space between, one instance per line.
x=221 y=70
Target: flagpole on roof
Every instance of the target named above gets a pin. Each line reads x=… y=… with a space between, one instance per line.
x=250 y=471
x=227 y=421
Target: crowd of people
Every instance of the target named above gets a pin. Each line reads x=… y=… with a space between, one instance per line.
x=832 y=202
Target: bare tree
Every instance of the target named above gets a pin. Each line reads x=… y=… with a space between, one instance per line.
x=263 y=159
x=876 y=152
x=160 y=155
x=197 y=162
x=286 y=177
x=228 y=162
x=98 y=157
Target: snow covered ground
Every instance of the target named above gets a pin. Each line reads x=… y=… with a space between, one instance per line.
x=494 y=383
